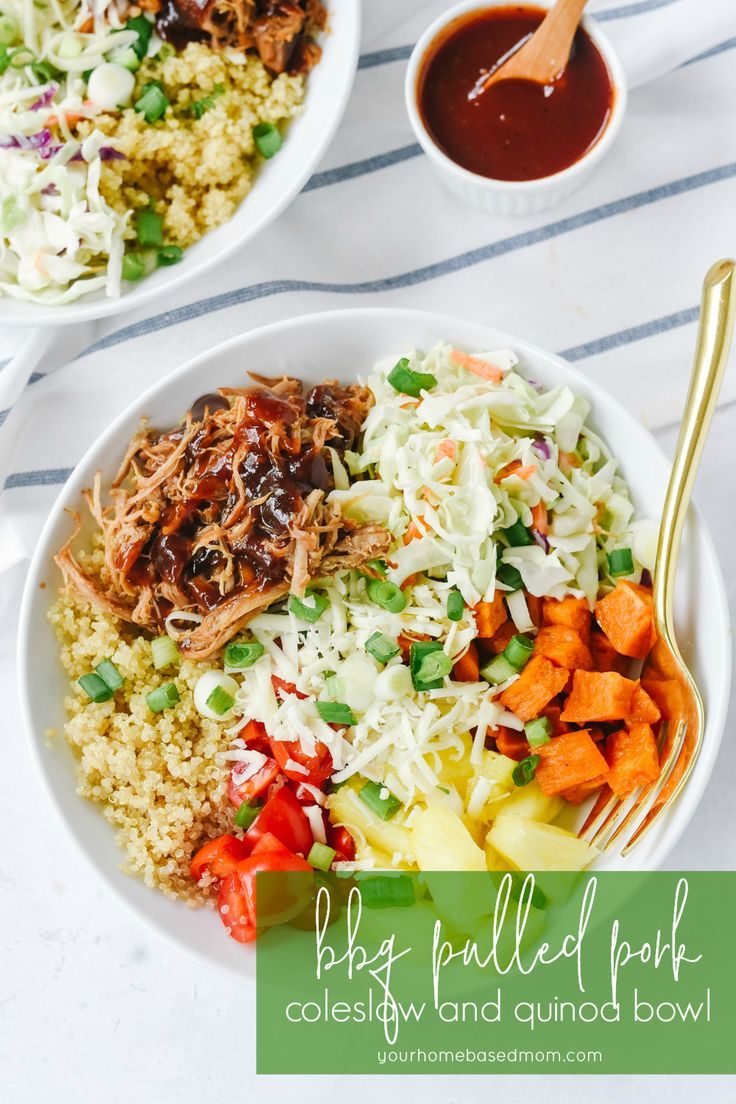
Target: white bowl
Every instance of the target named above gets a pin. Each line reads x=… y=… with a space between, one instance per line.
x=278 y=182
x=345 y=344
x=511 y=197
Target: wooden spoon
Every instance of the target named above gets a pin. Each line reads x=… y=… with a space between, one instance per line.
x=544 y=56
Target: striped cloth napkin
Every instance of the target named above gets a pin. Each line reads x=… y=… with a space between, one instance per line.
x=610 y=278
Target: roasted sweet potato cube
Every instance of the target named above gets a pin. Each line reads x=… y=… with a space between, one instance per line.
x=644 y=710
x=490 y=616
x=510 y=743
x=667 y=695
x=598 y=696
x=569 y=760
x=633 y=759
x=564 y=647
x=502 y=637
x=605 y=656
x=576 y=795
x=573 y=613
x=535 y=607
x=553 y=711
x=625 y=615
x=538 y=683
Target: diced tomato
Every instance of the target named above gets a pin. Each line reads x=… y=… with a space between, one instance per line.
x=248 y=789
x=236 y=902
x=318 y=766
x=282 y=816
x=287 y=687
x=343 y=843
x=234 y=909
x=268 y=842
x=220 y=856
x=255 y=736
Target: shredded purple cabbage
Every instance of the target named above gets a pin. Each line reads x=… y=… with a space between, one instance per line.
x=45 y=99
x=540 y=539
x=542 y=448
x=107 y=153
x=26 y=141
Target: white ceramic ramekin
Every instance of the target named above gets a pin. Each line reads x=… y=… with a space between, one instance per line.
x=511 y=197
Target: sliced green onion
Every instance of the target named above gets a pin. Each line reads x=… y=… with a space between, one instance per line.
x=242 y=655
x=524 y=771
x=321 y=856
x=163 y=697
x=620 y=562
x=518 y=651
x=133 y=266
x=432 y=670
x=378 y=566
x=386 y=595
x=336 y=713
x=428 y=665
x=4 y=59
x=220 y=702
x=498 y=670
x=164 y=652
x=152 y=105
x=144 y=30
x=70 y=46
x=170 y=255
x=9 y=30
x=246 y=814
x=267 y=138
x=198 y=107
x=109 y=674
x=538 y=731
x=387 y=891
x=380 y=800
x=150 y=227
x=310 y=607
x=404 y=379
x=455 y=605
x=125 y=56
x=335 y=687
x=381 y=648
x=95 y=688
x=518 y=534
x=509 y=576
x=20 y=57
x=44 y=71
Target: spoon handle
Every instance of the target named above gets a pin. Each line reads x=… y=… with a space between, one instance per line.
x=717 y=313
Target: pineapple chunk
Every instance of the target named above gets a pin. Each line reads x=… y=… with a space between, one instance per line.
x=529 y=802
x=440 y=841
x=453 y=771
x=345 y=807
x=494 y=861
x=491 y=781
x=528 y=845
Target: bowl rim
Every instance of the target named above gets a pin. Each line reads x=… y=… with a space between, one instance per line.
x=678 y=818
x=511 y=187
x=175 y=277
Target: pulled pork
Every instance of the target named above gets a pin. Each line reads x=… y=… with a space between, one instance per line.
x=281 y=32
x=227 y=513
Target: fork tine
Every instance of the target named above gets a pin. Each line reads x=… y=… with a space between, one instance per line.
x=650 y=818
x=602 y=801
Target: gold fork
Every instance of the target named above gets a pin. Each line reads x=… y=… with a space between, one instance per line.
x=664 y=674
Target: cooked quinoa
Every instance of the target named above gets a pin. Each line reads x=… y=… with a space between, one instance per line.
x=195 y=171
x=156 y=775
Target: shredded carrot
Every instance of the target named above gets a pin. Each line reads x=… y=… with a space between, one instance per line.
x=445 y=449
x=417 y=529
x=477 y=366
x=515 y=467
x=466 y=669
x=568 y=460
x=539 y=518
